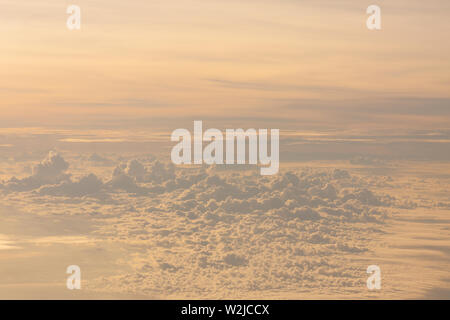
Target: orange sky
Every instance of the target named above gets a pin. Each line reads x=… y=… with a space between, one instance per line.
x=215 y=58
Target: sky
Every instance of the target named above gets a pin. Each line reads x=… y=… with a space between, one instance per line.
x=312 y=64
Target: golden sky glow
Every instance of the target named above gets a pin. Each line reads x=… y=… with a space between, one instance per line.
x=175 y=58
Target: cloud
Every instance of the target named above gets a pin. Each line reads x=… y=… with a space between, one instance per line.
x=51 y=170
x=274 y=231
x=200 y=231
x=87 y=185
x=52 y=166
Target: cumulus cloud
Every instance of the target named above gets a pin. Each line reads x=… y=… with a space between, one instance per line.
x=52 y=166
x=199 y=229
x=214 y=227
x=87 y=185
x=49 y=177
x=51 y=170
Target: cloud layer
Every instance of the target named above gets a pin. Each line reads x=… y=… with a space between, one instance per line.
x=209 y=232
